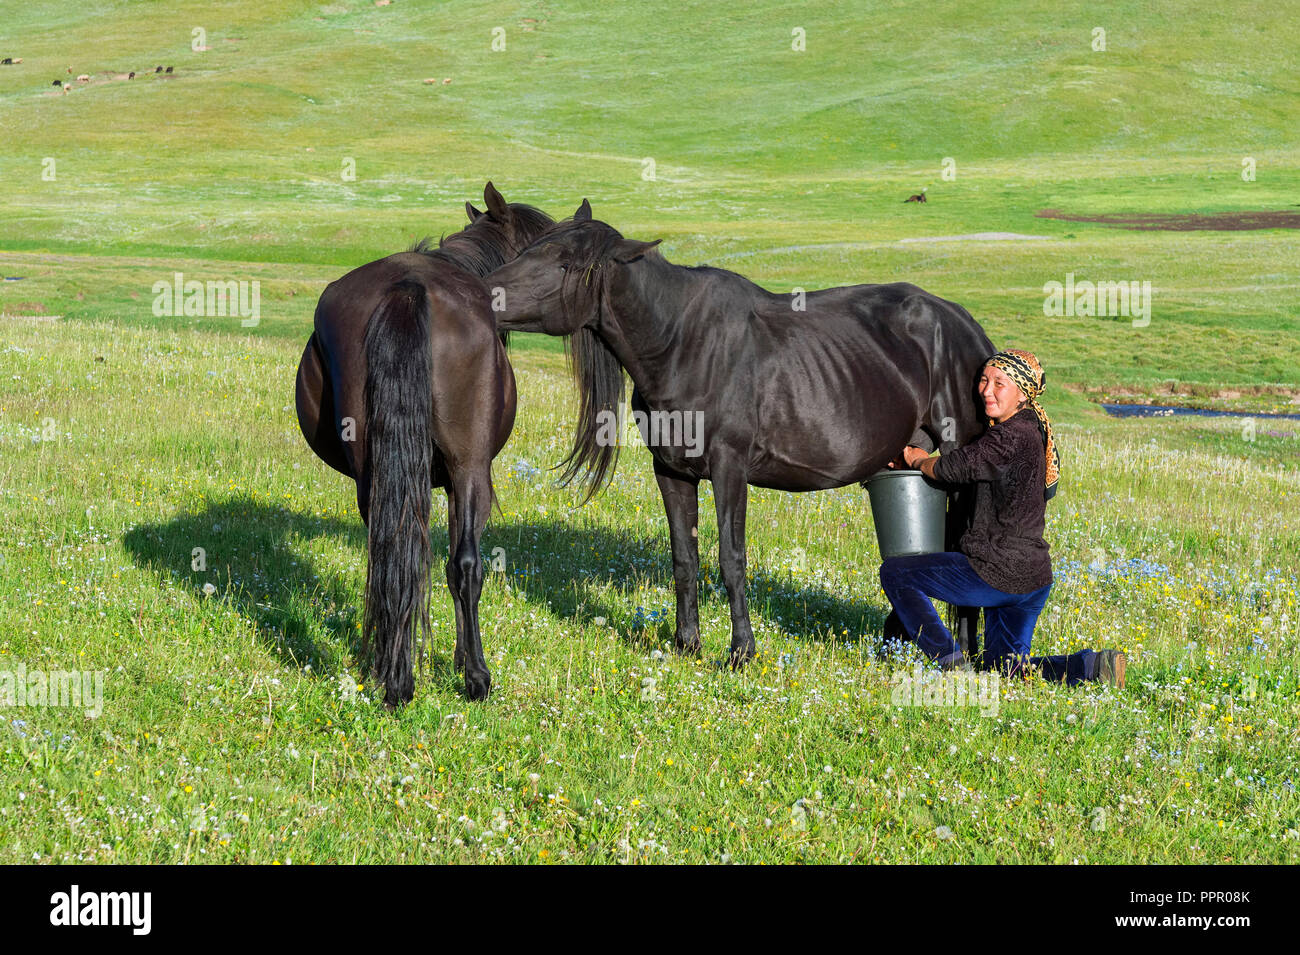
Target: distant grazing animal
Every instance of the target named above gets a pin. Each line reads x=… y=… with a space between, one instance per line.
x=7 y=61
x=83 y=78
x=405 y=385
x=131 y=75
x=157 y=69
x=58 y=82
x=168 y=70
x=919 y=197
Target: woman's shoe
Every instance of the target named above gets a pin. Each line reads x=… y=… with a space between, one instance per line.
x=1108 y=665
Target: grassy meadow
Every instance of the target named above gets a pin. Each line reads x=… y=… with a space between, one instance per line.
x=236 y=724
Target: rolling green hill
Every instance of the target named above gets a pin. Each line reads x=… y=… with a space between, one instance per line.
x=788 y=165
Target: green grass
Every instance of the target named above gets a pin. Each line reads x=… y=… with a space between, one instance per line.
x=233 y=728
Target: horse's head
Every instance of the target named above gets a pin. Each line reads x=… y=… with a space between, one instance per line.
x=505 y=229
x=557 y=285
x=554 y=285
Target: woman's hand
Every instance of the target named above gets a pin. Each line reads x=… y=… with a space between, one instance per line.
x=912 y=456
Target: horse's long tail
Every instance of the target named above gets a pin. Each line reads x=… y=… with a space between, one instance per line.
x=398 y=459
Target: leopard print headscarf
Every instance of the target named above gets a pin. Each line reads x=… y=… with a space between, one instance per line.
x=1023 y=368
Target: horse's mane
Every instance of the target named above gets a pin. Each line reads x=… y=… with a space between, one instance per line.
x=596 y=369
x=599 y=377
x=532 y=221
x=483 y=246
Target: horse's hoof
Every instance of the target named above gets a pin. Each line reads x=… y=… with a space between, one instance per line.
x=893 y=628
x=395 y=701
x=742 y=655
x=687 y=647
x=478 y=685
x=398 y=690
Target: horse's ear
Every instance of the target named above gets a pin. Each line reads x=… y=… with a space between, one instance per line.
x=629 y=250
x=496 y=204
x=473 y=213
x=584 y=212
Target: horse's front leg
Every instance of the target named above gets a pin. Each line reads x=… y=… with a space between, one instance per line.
x=730 y=495
x=681 y=502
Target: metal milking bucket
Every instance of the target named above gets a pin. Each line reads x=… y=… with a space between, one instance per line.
x=909 y=511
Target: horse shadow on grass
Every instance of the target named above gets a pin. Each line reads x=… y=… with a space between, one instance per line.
x=249 y=554
x=573 y=571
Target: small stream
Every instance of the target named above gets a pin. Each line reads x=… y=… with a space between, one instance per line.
x=1164 y=411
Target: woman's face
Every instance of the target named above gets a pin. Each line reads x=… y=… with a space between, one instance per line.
x=1002 y=396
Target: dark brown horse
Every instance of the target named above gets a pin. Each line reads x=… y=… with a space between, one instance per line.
x=740 y=386
x=405 y=386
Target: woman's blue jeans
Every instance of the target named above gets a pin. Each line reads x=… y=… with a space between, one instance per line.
x=1009 y=619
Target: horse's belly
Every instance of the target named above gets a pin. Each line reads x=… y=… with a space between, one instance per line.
x=814 y=459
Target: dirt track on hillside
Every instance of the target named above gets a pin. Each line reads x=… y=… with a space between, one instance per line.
x=1187 y=222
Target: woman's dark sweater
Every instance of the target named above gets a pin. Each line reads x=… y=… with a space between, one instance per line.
x=1008 y=467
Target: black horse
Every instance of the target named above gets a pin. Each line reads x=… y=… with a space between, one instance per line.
x=797 y=392
x=405 y=385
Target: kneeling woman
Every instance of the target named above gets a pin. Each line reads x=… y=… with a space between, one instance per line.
x=1002 y=561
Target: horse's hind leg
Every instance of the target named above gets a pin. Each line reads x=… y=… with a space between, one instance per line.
x=965 y=620
x=469 y=497
x=952 y=423
x=731 y=495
